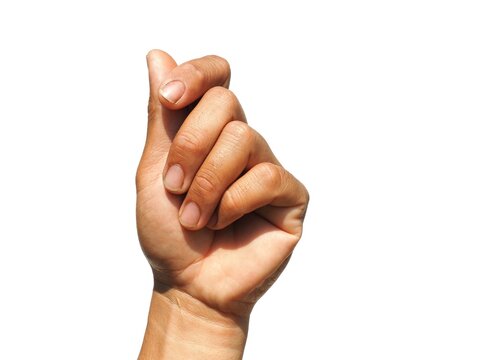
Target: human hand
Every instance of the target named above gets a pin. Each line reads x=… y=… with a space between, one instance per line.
x=217 y=215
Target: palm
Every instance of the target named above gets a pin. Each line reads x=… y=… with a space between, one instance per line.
x=218 y=267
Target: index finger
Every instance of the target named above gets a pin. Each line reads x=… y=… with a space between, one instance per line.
x=189 y=81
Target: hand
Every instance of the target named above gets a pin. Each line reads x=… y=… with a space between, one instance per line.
x=218 y=216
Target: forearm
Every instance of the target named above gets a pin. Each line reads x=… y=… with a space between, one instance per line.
x=180 y=327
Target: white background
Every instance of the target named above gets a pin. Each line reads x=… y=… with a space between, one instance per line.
x=374 y=105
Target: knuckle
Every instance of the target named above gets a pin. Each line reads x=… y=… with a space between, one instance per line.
x=205 y=185
x=224 y=96
x=239 y=131
x=222 y=65
x=187 y=144
x=270 y=174
x=231 y=202
x=221 y=62
x=195 y=71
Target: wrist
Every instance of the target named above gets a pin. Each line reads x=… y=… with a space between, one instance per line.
x=182 y=327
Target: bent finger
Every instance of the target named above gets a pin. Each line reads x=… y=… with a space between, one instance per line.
x=270 y=191
x=237 y=148
x=197 y=136
x=189 y=81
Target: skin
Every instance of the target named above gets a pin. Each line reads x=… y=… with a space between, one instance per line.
x=213 y=260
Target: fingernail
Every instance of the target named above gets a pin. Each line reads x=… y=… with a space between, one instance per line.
x=173 y=91
x=190 y=215
x=174 y=178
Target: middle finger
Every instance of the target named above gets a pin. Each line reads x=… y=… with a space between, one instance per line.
x=197 y=136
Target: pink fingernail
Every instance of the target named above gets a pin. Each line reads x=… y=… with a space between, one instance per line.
x=173 y=91
x=174 y=178
x=190 y=215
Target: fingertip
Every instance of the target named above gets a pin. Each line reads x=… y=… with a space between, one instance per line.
x=189 y=216
x=174 y=178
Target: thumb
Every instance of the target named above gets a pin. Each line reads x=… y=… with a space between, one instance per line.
x=159 y=65
x=163 y=123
